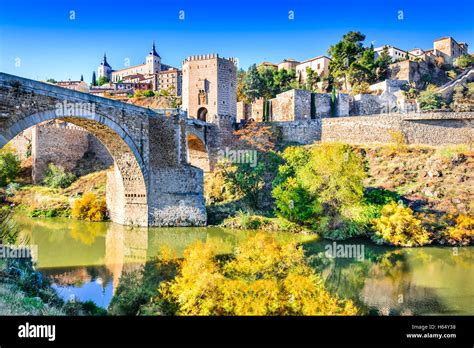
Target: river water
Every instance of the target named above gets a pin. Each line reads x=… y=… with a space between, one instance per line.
x=85 y=260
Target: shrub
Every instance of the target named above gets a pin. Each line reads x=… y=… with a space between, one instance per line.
x=320 y=187
x=335 y=174
x=399 y=139
x=148 y=93
x=9 y=167
x=264 y=277
x=12 y=189
x=462 y=233
x=293 y=202
x=138 y=93
x=8 y=227
x=89 y=208
x=57 y=177
x=398 y=226
x=360 y=88
x=465 y=61
x=429 y=100
x=246 y=221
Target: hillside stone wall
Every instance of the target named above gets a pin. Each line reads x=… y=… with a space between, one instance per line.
x=419 y=128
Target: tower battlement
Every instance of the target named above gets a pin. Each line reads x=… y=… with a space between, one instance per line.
x=201 y=57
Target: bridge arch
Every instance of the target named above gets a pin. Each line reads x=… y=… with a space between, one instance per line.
x=198 y=154
x=127 y=193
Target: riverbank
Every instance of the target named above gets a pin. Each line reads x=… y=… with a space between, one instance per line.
x=25 y=291
x=43 y=201
x=433 y=187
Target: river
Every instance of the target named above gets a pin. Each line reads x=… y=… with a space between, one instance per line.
x=85 y=260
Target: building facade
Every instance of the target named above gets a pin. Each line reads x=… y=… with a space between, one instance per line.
x=160 y=76
x=288 y=64
x=318 y=64
x=449 y=49
x=445 y=48
x=209 y=87
x=394 y=52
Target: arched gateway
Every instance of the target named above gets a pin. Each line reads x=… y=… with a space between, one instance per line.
x=152 y=184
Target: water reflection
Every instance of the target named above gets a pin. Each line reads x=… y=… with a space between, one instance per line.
x=391 y=281
x=86 y=260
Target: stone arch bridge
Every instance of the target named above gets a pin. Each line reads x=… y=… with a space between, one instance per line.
x=153 y=183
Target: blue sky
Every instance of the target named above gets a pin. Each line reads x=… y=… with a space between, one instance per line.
x=50 y=45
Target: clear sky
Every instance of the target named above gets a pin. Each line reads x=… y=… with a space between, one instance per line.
x=39 y=40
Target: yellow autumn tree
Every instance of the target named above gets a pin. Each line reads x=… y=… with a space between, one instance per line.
x=89 y=207
x=264 y=277
x=398 y=226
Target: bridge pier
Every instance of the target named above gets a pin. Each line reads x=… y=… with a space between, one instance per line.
x=151 y=184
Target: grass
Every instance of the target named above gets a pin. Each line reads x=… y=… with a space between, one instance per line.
x=42 y=201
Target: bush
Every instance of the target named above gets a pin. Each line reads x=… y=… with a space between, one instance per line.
x=263 y=277
x=9 y=167
x=320 y=188
x=398 y=226
x=12 y=189
x=429 y=100
x=462 y=233
x=57 y=177
x=89 y=208
x=148 y=93
x=360 y=88
x=465 y=61
x=335 y=174
x=8 y=227
x=293 y=202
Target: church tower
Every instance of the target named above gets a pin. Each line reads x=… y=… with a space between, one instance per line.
x=153 y=61
x=105 y=69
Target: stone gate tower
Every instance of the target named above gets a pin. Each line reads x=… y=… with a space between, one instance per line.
x=209 y=87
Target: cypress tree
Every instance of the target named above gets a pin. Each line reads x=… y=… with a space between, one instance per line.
x=94 y=81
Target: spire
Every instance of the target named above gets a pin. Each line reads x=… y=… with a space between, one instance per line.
x=104 y=62
x=153 y=51
x=82 y=78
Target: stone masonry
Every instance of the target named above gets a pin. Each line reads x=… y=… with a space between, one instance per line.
x=152 y=183
x=65 y=145
x=209 y=87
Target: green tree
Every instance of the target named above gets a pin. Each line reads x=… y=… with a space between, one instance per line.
x=241 y=86
x=269 y=90
x=312 y=79
x=363 y=69
x=429 y=99
x=382 y=64
x=335 y=175
x=464 y=62
x=102 y=80
x=253 y=84
x=94 y=79
x=149 y=93
x=343 y=54
x=9 y=166
x=284 y=80
x=57 y=177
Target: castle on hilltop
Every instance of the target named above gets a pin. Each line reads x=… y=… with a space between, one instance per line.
x=153 y=72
